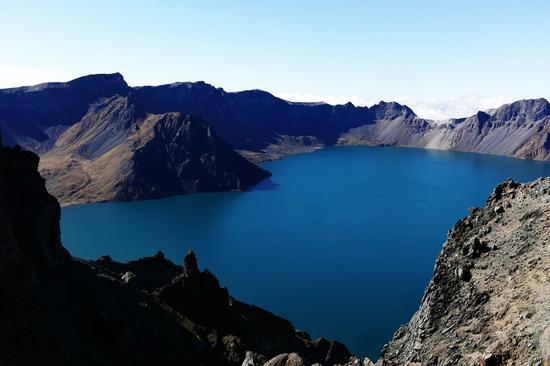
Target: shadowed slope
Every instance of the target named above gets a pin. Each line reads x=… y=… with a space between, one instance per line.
x=119 y=152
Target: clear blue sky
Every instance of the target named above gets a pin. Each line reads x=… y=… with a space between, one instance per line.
x=432 y=51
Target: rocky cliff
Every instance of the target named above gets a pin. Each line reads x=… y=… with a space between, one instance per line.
x=488 y=302
x=59 y=310
x=119 y=152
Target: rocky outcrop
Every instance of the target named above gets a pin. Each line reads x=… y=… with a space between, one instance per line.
x=30 y=216
x=120 y=152
x=59 y=310
x=487 y=303
x=240 y=326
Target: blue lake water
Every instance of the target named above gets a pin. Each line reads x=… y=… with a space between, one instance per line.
x=342 y=241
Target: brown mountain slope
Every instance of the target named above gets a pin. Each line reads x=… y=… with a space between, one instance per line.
x=119 y=152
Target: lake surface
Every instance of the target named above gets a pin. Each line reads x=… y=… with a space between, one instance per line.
x=342 y=241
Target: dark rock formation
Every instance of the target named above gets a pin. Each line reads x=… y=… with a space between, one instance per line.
x=30 y=215
x=487 y=303
x=58 y=310
x=185 y=156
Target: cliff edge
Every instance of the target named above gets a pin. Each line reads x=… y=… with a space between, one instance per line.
x=488 y=302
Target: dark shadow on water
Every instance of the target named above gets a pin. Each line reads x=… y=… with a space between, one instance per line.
x=265 y=185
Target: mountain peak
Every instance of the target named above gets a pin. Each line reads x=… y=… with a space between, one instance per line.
x=530 y=109
x=391 y=110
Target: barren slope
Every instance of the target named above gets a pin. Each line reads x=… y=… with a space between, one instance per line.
x=119 y=152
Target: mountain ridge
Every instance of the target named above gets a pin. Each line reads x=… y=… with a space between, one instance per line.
x=87 y=112
x=251 y=119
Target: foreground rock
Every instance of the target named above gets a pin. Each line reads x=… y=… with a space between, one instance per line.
x=58 y=310
x=488 y=302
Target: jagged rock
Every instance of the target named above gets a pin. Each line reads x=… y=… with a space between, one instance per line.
x=480 y=300
x=149 y=273
x=190 y=266
x=354 y=361
x=199 y=295
x=128 y=276
x=30 y=212
x=254 y=359
x=329 y=352
x=367 y=362
x=287 y=359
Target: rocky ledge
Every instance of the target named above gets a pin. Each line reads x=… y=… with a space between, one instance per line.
x=488 y=302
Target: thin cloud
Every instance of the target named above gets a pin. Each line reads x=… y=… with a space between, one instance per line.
x=430 y=108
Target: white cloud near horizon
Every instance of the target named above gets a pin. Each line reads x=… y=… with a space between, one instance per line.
x=442 y=108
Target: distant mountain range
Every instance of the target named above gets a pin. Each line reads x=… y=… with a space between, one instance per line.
x=100 y=139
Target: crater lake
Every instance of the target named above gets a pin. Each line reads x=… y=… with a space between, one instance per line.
x=341 y=241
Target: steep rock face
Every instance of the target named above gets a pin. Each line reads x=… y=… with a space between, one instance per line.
x=487 y=303
x=29 y=213
x=119 y=152
x=58 y=310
